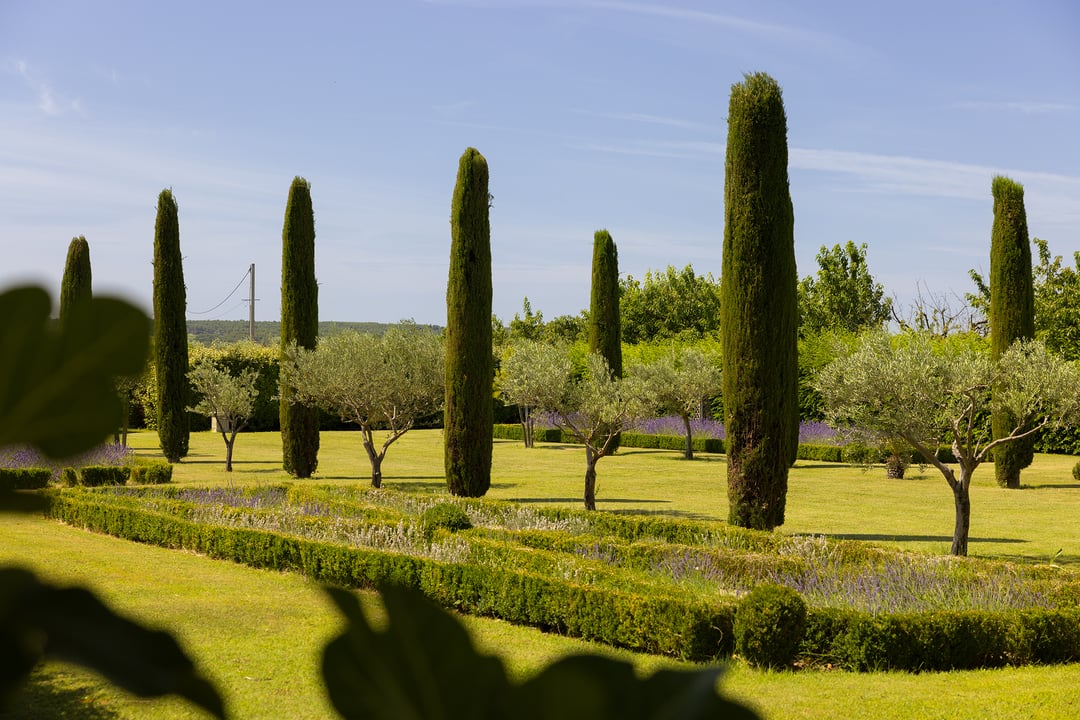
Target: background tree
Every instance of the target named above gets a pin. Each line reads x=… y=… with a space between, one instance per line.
x=683 y=382
x=1057 y=300
x=299 y=326
x=669 y=304
x=605 y=328
x=527 y=325
x=228 y=399
x=170 y=331
x=843 y=295
x=380 y=383
x=519 y=383
x=75 y=288
x=469 y=410
x=1012 y=311
x=593 y=407
x=927 y=396
x=759 y=307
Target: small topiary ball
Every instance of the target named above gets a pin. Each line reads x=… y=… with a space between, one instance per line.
x=444 y=515
x=769 y=625
x=1076 y=472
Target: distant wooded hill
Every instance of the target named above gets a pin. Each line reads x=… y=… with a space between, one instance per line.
x=267 y=332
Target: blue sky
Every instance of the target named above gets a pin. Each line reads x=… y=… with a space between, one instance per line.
x=591 y=114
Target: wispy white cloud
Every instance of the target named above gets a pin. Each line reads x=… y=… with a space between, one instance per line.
x=49 y=101
x=649 y=119
x=1025 y=107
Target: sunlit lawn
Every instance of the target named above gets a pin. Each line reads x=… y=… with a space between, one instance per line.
x=258 y=633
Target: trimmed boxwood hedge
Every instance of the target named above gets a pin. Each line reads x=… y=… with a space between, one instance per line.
x=657 y=623
x=640 y=618
x=98 y=475
x=24 y=478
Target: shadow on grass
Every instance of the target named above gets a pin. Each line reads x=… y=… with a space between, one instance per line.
x=881 y=537
x=1063 y=486
x=43 y=699
x=599 y=500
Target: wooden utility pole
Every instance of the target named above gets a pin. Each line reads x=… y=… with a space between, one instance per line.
x=251 y=304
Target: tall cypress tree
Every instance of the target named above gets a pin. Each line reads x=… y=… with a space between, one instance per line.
x=469 y=410
x=759 y=306
x=605 y=329
x=75 y=287
x=170 y=331
x=1012 y=311
x=300 y=325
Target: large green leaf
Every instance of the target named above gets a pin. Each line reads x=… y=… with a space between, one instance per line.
x=57 y=388
x=40 y=621
x=423 y=665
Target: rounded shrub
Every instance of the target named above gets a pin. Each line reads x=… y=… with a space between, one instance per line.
x=447 y=516
x=1076 y=472
x=769 y=626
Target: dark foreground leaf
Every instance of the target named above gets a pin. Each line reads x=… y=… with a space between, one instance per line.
x=39 y=621
x=57 y=388
x=423 y=666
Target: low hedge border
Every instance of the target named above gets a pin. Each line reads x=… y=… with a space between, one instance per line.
x=854 y=454
x=24 y=478
x=649 y=622
x=660 y=624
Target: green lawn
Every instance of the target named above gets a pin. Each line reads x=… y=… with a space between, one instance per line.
x=257 y=634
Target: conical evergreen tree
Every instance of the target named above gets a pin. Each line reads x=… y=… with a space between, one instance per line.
x=300 y=325
x=759 y=306
x=75 y=288
x=605 y=329
x=469 y=410
x=170 y=331
x=1012 y=311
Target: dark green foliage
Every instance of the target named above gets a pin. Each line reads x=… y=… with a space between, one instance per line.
x=605 y=334
x=769 y=626
x=669 y=304
x=23 y=478
x=300 y=325
x=69 y=477
x=57 y=393
x=75 y=288
x=1012 y=311
x=446 y=516
x=98 y=475
x=1076 y=472
x=843 y=296
x=170 y=331
x=423 y=664
x=759 y=323
x=151 y=473
x=468 y=414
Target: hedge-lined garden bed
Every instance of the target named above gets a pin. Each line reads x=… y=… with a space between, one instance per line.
x=649 y=584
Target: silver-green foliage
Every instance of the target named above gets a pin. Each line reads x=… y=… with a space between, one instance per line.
x=682 y=382
x=376 y=382
x=929 y=394
x=228 y=398
x=594 y=406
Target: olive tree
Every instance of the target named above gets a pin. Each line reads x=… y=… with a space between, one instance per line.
x=593 y=407
x=682 y=381
x=521 y=382
x=925 y=394
x=380 y=383
x=228 y=399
